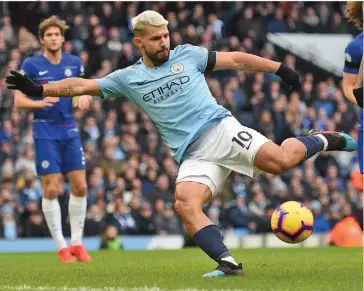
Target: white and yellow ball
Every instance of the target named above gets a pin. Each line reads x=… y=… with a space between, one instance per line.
x=292 y=222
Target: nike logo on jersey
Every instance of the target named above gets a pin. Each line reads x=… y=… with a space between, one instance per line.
x=41 y=73
x=152 y=81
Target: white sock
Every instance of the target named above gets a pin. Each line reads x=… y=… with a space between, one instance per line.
x=324 y=140
x=52 y=214
x=230 y=259
x=77 y=212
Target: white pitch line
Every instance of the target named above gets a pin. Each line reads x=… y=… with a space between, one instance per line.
x=85 y=288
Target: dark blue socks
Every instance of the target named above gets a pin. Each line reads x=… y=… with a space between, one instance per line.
x=314 y=144
x=209 y=239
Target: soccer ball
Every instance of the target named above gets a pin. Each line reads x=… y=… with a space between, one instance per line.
x=292 y=222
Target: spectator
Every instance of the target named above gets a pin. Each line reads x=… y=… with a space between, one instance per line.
x=35 y=226
x=167 y=222
x=124 y=221
x=95 y=221
x=161 y=191
x=321 y=222
x=145 y=221
x=30 y=191
x=110 y=239
x=278 y=24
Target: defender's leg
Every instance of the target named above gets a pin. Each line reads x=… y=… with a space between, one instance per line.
x=73 y=166
x=48 y=161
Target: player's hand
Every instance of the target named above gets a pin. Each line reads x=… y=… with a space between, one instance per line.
x=290 y=77
x=48 y=101
x=23 y=83
x=82 y=102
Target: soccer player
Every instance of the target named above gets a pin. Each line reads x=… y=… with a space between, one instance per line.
x=204 y=137
x=57 y=144
x=352 y=85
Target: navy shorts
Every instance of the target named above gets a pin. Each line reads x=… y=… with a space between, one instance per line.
x=58 y=156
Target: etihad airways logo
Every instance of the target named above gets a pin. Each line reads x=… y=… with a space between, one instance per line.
x=167 y=90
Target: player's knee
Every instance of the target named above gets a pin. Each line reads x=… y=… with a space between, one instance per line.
x=185 y=209
x=79 y=190
x=272 y=159
x=51 y=192
x=184 y=204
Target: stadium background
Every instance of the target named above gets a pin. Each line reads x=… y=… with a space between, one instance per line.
x=130 y=172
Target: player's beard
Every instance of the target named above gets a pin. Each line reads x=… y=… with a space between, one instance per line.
x=54 y=49
x=159 y=57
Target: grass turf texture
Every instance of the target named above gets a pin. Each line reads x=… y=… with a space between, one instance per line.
x=296 y=269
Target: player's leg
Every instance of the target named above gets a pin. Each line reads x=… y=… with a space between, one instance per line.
x=276 y=159
x=197 y=183
x=47 y=165
x=244 y=149
x=73 y=164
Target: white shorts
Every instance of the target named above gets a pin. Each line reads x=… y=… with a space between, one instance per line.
x=225 y=147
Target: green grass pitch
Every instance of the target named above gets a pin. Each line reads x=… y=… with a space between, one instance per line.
x=293 y=269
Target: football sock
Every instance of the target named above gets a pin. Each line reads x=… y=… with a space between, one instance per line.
x=209 y=239
x=52 y=214
x=77 y=212
x=229 y=259
x=314 y=144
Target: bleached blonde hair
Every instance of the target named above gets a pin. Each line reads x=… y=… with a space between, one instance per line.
x=145 y=18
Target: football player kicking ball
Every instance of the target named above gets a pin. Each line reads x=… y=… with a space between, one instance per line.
x=204 y=137
x=57 y=144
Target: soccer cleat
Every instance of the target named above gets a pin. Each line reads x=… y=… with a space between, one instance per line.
x=225 y=269
x=337 y=141
x=80 y=253
x=65 y=256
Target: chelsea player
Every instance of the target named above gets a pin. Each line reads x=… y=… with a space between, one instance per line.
x=57 y=144
x=353 y=58
x=204 y=137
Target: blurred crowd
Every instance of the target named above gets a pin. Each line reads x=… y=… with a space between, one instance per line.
x=130 y=172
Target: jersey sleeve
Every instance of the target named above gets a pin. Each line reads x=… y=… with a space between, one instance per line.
x=352 y=59
x=28 y=68
x=202 y=57
x=113 y=85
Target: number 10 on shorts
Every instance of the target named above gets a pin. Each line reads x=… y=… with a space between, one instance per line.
x=244 y=139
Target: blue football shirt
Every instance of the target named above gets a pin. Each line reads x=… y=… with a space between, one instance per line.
x=174 y=95
x=54 y=122
x=353 y=56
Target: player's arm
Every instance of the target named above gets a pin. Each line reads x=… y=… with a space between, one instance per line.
x=22 y=102
x=253 y=63
x=112 y=85
x=72 y=87
x=349 y=81
x=64 y=88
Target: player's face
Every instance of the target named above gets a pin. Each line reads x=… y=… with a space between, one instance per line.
x=156 y=44
x=53 y=39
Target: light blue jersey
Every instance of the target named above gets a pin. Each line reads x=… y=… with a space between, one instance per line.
x=174 y=95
